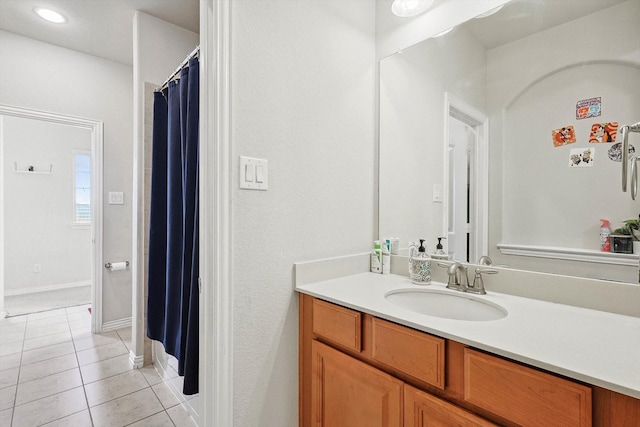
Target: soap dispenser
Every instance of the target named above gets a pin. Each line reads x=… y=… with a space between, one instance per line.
x=440 y=254
x=420 y=266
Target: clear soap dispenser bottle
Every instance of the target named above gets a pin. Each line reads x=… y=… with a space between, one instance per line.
x=420 y=266
x=440 y=253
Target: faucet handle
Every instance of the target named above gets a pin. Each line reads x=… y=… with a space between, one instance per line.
x=478 y=283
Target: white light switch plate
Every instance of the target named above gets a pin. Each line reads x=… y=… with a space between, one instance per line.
x=254 y=173
x=116 y=198
x=437 y=193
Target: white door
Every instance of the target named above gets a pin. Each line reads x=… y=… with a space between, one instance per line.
x=462 y=139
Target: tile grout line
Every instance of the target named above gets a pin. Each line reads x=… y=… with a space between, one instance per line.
x=159 y=400
x=84 y=390
x=15 y=396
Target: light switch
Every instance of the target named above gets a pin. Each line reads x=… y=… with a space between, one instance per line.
x=437 y=193
x=254 y=173
x=116 y=198
x=259 y=174
x=248 y=173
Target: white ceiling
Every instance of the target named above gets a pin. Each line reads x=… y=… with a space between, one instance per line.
x=97 y=27
x=521 y=18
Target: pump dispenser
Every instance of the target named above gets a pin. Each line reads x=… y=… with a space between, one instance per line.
x=439 y=253
x=605 y=235
x=420 y=266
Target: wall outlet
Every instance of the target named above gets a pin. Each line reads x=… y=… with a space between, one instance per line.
x=37 y=268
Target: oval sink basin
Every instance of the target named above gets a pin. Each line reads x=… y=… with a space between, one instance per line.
x=433 y=302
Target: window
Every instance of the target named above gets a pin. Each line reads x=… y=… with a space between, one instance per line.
x=82 y=187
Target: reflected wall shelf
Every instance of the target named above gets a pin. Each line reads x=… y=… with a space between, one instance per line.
x=569 y=254
x=32 y=171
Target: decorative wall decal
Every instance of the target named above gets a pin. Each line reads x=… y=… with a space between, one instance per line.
x=586 y=108
x=615 y=152
x=563 y=136
x=581 y=157
x=603 y=132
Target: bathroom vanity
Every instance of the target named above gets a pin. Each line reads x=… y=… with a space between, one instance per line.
x=365 y=361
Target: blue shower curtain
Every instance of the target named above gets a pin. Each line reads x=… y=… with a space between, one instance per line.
x=172 y=304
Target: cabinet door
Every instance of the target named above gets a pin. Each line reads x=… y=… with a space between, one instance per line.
x=349 y=393
x=424 y=410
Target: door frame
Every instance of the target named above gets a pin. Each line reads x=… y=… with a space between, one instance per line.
x=96 y=128
x=455 y=107
x=216 y=166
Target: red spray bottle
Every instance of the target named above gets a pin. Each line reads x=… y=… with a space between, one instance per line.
x=605 y=235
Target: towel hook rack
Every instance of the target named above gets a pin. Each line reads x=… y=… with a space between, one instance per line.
x=624 y=131
x=109 y=265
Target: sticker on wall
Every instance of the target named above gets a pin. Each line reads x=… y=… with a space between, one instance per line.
x=563 y=136
x=615 y=152
x=603 y=132
x=586 y=108
x=581 y=157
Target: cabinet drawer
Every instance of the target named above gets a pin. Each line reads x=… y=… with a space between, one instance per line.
x=524 y=395
x=415 y=353
x=337 y=324
x=422 y=410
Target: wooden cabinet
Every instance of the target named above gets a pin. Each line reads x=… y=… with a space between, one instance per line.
x=611 y=409
x=348 y=393
x=337 y=324
x=424 y=410
x=407 y=350
x=524 y=395
x=357 y=370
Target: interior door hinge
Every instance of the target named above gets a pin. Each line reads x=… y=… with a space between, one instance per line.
x=200 y=285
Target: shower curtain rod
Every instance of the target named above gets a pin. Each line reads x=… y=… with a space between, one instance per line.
x=193 y=53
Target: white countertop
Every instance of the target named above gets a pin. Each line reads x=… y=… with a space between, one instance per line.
x=595 y=347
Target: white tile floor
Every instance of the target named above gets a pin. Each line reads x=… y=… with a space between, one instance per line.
x=54 y=372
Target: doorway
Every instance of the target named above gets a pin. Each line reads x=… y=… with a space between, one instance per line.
x=466 y=178
x=51 y=216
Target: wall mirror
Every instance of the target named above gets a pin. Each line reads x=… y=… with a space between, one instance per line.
x=501 y=135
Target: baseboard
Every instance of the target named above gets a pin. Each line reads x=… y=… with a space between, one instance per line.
x=136 y=361
x=33 y=290
x=186 y=402
x=116 y=324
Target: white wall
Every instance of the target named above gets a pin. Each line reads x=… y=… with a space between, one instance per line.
x=302 y=96
x=537 y=81
x=44 y=77
x=159 y=48
x=38 y=207
x=412 y=115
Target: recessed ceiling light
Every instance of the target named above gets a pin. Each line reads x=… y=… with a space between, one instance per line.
x=407 y=8
x=50 y=15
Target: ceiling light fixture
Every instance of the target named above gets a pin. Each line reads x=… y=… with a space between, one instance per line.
x=490 y=12
x=50 y=15
x=407 y=8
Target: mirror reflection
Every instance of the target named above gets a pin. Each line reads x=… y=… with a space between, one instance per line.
x=502 y=136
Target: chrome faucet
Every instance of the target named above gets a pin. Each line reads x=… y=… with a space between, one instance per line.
x=458 y=277
x=485 y=260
